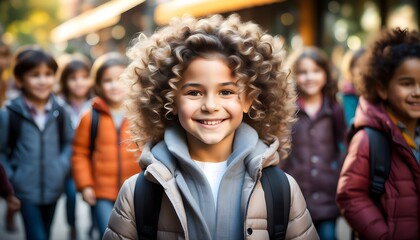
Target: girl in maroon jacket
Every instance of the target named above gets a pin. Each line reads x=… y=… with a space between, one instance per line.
x=316 y=138
x=390 y=102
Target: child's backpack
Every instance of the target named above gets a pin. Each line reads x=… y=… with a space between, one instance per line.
x=93 y=130
x=15 y=121
x=147 y=202
x=379 y=160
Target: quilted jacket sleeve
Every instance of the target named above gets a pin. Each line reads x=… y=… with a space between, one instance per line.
x=122 y=223
x=353 y=192
x=300 y=223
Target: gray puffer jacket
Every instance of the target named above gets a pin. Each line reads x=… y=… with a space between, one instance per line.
x=188 y=210
x=38 y=166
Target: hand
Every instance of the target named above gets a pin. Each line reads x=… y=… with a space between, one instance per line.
x=13 y=203
x=89 y=196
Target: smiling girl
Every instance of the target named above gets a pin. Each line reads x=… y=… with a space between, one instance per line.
x=315 y=158
x=212 y=107
x=390 y=103
x=99 y=174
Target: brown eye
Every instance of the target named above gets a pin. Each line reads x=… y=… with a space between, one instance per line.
x=194 y=93
x=226 y=92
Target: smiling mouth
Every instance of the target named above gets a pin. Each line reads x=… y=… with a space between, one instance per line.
x=210 y=122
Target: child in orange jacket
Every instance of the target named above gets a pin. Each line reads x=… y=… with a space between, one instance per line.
x=100 y=174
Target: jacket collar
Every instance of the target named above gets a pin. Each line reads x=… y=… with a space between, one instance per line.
x=256 y=154
x=326 y=108
x=100 y=104
x=374 y=115
x=20 y=106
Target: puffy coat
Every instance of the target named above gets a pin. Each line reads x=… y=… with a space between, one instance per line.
x=315 y=159
x=400 y=203
x=112 y=160
x=174 y=222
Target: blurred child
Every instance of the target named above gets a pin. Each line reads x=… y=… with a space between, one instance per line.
x=214 y=107
x=316 y=137
x=350 y=97
x=37 y=154
x=390 y=103
x=4 y=62
x=75 y=86
x=100 y=174
x=7 y=192
x=8 y=88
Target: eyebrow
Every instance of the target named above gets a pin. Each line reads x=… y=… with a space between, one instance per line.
x=199 y=85
x=406 y=78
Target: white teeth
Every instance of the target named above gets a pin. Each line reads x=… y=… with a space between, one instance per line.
x=206 y=122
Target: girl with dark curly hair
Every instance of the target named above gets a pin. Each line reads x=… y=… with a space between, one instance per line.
x=213 y=106
x=390 y=103
x=316 y=137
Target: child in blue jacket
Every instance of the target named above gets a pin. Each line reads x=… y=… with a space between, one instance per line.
x=36 y=141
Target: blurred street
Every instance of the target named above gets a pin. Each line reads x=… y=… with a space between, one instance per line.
x=60 y=229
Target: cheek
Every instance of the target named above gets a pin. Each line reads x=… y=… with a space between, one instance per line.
x=184 y=109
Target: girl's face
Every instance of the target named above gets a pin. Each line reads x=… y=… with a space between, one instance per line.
x=209 y=104
x=403 y=91
x=38 y=83
x=310 y=77
x=79 y=83
x=112 y=88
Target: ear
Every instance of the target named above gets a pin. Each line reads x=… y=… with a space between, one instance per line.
x=382 y=92
x=247 y=103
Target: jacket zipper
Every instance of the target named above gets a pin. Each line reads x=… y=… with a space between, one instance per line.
x=247 y=202
x=42 y=163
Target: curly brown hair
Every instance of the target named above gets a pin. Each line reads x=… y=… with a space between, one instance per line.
x=384 y=57
x=255 y=58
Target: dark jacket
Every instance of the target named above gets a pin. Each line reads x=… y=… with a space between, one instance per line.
x=315 y=158
x=38 y=166
x=401 y=201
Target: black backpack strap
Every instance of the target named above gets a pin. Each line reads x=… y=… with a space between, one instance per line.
x=277 y=197
x=93 y=130
x=14 y=130
x=380 y=162
x=61 y=127
x=147 y=202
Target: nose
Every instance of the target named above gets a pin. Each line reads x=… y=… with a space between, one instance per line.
x=416 y=92
x=210 y=104
x=43 y=79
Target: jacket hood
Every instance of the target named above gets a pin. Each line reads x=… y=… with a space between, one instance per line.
x=100 y=105
x=370 y=115
x=256 y=154
x=374 y=115
x=18 y=105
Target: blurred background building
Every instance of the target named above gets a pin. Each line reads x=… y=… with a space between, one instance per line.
x=97 y=26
